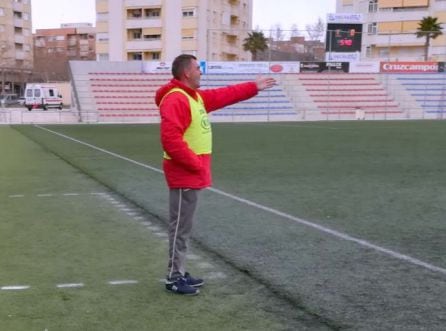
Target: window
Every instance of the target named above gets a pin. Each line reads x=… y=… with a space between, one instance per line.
x=134 y=13
x=372 y=28
x=135 y=56
x=2 y=12
x=136 y=34
x=103 y=57
x=373 y=6
x=156 y=56
x=102 y=36
x=152 y=12
x=383 y=52
x=188 y=12
x=102 y=17
x=152 y=37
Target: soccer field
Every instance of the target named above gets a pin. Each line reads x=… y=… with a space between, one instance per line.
x=341 y=222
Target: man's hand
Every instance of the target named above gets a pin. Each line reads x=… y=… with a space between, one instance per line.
x=265 y=82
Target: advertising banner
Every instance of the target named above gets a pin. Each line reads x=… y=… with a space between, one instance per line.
x=284 y=67
x=345 y=18
x=343 y=57
x=317 y=67
x=156 y=67
x=364 y=67
x=409 y=67
x=237 y=67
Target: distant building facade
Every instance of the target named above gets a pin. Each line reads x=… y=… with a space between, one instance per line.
x=16 y=54
x=159 y=30
x=390 y=26
x=53 y=48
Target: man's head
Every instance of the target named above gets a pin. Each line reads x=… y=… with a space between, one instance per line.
x=186 y=69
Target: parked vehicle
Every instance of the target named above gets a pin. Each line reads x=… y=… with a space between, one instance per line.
x=42 y=96
x=8 y=100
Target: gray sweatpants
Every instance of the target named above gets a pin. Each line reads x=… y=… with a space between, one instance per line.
x=182 y=206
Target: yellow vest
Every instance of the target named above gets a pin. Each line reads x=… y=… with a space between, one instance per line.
x=198 y=135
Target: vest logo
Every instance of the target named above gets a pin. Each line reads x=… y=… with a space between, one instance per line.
x=205 y=124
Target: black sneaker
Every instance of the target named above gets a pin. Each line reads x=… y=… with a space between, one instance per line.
x=194 y=282
x=180 y=286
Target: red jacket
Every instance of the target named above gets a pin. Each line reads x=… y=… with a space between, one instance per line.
x=185 y=169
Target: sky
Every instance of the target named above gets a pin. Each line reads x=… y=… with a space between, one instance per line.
x=266 y=13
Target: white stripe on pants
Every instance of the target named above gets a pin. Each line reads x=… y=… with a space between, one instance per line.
x=182 y=206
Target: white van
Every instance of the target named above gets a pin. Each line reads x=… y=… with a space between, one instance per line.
x=42 y=96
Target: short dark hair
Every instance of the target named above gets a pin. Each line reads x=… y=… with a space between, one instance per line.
x=180 y=63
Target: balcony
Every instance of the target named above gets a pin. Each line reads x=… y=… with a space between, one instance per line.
x=18 y=23
x=138 y=24
x=19 y=55
x=139 y=44
x=142 y=3
x=394 y=40
x=17 y=6
x=391 y=16
x=19 y=39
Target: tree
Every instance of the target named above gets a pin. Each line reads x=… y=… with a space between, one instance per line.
x=294 y=31
x=277 y=32
x=316 y=31
x=428 y=28
x=254 y=43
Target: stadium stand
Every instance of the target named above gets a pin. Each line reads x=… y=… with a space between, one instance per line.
x=427 y=90
x=342 y=96
x=273 y=104
x=121 y=92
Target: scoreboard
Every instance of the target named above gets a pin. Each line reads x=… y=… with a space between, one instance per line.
x=343 y=37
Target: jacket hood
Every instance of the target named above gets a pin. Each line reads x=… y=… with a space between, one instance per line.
x=163 y=90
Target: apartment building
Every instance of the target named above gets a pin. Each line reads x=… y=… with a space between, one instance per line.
x=390 y=25
x=16 y=57
x=159 y=30
x=53 y=48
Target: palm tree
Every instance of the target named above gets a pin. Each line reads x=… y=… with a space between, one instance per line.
x=254 y=43
x=428 y=28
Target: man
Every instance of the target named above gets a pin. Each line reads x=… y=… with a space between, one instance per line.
x=186 y=138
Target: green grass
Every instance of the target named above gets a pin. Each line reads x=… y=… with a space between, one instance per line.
x=378 y=181
x=59 y=239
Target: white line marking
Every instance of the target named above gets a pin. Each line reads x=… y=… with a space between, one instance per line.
x=205 y=265
x=17 y=196
x=98 y=193
x=153 y=228
x=140 y=218
x=70 y=194
x=45 y=195
x=160 y=234
x=123 y=282
x=193 y=257
x=15 y=288
x=321 y=228
x=215 y=275
x=72 y=285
